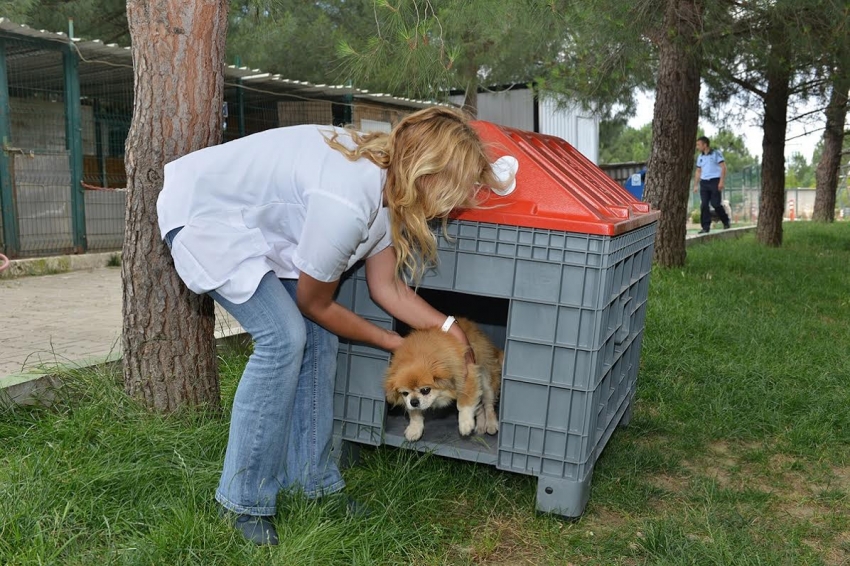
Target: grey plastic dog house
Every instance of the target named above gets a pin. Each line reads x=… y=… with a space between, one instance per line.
x=556 y=273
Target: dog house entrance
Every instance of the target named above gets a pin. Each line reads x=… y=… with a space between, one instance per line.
x=441 y=435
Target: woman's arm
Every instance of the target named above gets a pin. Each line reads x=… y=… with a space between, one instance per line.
x=315 y=299
x=395 y=297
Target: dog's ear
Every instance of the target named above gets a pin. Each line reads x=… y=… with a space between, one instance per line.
x=473 y=369
x=393 y=398
x=446 y=368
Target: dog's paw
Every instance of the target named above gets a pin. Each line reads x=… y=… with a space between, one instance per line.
x=413 y=432
x=488 y=423
x=466 y=426
x=466 y=421
x=480 y=424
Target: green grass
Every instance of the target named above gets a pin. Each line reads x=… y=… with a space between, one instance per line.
x=737 y=453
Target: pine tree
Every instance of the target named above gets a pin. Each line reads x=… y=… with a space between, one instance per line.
x=768 y=57
x=426 y=48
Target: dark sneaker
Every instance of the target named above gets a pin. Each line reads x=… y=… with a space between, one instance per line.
x=727 y=225
x=259 y=530
x=703 y=232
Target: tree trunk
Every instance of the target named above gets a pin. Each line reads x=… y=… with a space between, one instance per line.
x=178 y=61
x=674 y=128
x=772 y=200
x=470 y=73
x=470 y=100
x=833 y=140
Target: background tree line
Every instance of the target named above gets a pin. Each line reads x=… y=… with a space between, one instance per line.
x=621 y=143
x=746 y=54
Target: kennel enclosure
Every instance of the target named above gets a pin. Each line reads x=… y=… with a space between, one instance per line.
x=557 y=274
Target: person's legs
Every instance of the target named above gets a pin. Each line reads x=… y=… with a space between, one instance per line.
x=263 y=405
x=309 y=466
x=705 y=211
x=281 y=426
x=717 y=204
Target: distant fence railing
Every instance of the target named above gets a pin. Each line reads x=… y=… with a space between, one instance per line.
x=742 y=188
x=742 y=191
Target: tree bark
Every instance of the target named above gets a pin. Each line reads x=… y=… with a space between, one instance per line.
x=470 y=100
x=674 y=128
x=168 y=338
x=833 y=141
x=772 y=199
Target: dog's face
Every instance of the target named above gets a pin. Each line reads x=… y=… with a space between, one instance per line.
x=421 y=373
x=418 y=390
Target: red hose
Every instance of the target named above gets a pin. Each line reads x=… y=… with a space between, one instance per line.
x=4 y=262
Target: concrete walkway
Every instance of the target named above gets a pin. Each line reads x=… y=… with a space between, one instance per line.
x=69 y=318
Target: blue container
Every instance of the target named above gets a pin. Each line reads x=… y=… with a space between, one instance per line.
x=635 y=183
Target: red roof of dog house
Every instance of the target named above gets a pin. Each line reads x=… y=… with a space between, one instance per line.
x=557 y=188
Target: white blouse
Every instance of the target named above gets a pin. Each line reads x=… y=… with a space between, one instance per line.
x=280 y=200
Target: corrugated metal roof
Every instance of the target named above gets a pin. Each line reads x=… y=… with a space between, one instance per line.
x=111 y=53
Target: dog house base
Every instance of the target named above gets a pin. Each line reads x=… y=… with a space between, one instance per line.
x=557 y=272
x=566 y=498
x=569 y=309
x=561 y=496
x=441 y=437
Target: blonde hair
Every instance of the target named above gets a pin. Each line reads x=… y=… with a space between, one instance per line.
x=435 y=164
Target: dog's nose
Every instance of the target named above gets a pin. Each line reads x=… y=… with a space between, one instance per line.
x=414 y=402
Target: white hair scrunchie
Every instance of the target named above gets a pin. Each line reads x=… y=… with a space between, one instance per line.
x=505 y=169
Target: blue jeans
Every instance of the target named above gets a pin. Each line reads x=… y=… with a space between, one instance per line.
x=281 y=426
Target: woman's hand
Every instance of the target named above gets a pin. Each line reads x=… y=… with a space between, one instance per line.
x=392 y=341
x=469 y=356
x=399 y=300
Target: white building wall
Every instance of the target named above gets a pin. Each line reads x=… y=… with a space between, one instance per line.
x=580 y=129
x=511 y=108
x=804 y=203
x=515 y=109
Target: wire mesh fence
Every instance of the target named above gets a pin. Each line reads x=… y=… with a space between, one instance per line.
x=36 y=153
x=741 y=194
x=65 y=113
x=106 y=94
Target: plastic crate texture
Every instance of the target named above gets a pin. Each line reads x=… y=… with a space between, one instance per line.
x=572 y=339
x=359 y=404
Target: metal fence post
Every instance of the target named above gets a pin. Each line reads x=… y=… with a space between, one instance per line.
x=348 y=108
x=11 y=242
x=74 y=141
x=240 y=103
x=98 y=144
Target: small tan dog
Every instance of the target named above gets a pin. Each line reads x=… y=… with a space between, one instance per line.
x=427 y=371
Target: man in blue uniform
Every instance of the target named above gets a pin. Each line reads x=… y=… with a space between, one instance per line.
x=710 y=177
